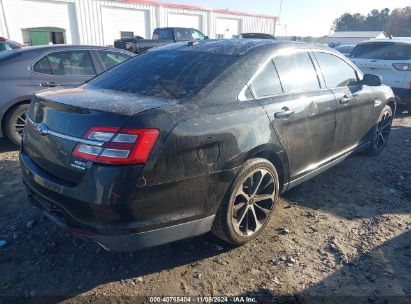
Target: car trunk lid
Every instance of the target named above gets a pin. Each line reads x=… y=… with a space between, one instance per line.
x=58 y=119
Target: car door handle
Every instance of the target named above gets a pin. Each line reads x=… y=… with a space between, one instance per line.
x=345 y=100
x=284 y=114
x=49 y=84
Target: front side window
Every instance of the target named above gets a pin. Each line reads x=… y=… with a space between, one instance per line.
x=111 y=59
x=266 y=83
x=337 y=73
x=296 y=72
x=71 y=63
x=382 y=51
x=197 y=35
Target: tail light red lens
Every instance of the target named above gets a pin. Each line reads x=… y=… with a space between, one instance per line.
x=118 y=146
x=402 y=66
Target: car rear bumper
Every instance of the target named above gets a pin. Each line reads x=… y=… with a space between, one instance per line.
x=126 y=242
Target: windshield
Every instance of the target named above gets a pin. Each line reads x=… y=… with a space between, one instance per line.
x=166 y=74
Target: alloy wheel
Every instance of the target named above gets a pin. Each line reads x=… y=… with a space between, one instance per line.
x=253 y=202
x=383 y=130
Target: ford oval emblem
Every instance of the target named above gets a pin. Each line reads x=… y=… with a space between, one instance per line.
x=42 y=129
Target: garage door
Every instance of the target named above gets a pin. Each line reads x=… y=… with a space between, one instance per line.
x=184 y=20
x=129 y=21
x=32 y=14
x=227 y=28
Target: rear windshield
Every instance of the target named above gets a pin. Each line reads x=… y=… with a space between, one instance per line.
x=382 y=51
x=7 y=55
x=166 y=74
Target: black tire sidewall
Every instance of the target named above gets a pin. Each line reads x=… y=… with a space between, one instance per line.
x=10 y=119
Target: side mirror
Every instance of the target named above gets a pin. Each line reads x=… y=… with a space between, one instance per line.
x=206 y=38
x=372 y=80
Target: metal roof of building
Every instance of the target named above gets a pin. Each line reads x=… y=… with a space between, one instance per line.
x=359 y=34
x=202 y=8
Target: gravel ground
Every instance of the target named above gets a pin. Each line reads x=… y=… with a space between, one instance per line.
x=345 y=233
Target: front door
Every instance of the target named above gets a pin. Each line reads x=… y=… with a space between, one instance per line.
x=355 y=101
x=302 y=113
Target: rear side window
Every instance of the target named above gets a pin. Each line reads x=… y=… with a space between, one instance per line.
x=43 y=66
x=166 y=34
x=68 y=63
x=183 y=34
x=382 y=51
x=111 y=59
x=297 y=72
x=266 y=83
x=337 y=73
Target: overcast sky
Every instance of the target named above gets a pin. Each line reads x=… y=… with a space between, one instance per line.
x=301 y=17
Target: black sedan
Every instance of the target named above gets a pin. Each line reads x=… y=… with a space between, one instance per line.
x=194 y=137
x=28 y=70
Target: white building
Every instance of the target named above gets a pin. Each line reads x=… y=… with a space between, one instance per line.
x=100 y=22
x=355 y=37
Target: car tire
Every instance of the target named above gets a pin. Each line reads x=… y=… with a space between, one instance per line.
x=248 y=204
x=14 y=123
x=381 y=132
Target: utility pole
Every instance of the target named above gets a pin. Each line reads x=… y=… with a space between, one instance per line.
x=279 y=16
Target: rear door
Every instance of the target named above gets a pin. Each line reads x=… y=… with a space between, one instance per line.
x=302 y=113
x=381 y=58
x=355 y=101
x=62 y=68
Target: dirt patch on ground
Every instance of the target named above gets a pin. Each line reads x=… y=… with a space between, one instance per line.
x=345 y=233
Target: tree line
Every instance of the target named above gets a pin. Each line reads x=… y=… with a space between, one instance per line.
x=396 y=22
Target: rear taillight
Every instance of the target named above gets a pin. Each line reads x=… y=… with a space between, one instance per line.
x=402 y=66
x=117 y=146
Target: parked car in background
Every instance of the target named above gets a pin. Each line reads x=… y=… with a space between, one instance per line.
x=6 y=44
x=345 y=49
x=161 y=36
x=390 y=58
x=28 y=70
x=256 y=36
x=191 y=137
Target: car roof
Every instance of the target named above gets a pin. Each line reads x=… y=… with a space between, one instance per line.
x=58 y=47
x=234 y=47
x=406 y=40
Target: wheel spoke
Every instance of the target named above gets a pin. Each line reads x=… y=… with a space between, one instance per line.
x=266 y=211
x=257 y=222
x=263 y=197
x=382 y=139
x=243 y=215
x=255 y=187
